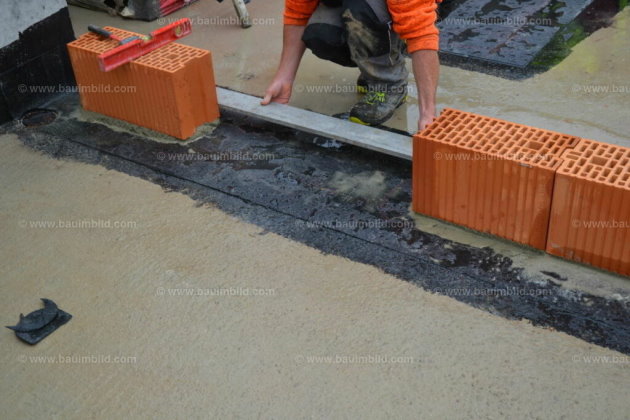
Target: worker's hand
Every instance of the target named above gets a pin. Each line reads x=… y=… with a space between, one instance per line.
x=426 y=118
x=278 y=91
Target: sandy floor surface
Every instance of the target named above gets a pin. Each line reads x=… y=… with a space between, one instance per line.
x=181 y=311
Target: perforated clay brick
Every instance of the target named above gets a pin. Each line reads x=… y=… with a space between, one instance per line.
x=590 y=216
x=488 y=174
x=170 y=90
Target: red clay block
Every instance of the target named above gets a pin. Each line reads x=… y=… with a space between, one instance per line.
x=169 y=6
x=487 y=174
x=590 y=214
x=170 y=90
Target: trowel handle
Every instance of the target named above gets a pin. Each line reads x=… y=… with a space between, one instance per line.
x=100 y=31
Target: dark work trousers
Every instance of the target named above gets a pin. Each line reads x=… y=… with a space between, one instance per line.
x=357 y=33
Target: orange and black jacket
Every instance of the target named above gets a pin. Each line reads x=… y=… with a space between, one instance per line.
x=413 y=20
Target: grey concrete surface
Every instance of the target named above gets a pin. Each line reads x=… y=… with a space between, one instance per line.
x=181 y=311
x=19 y=15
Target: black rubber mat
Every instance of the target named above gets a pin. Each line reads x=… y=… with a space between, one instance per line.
x=510 y=33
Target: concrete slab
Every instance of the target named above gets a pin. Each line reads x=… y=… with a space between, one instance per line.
x=156 y=332
x=352 y=202
x=183 y=311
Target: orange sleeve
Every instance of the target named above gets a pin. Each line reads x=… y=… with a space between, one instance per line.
x=414 y=21
x=298 y=12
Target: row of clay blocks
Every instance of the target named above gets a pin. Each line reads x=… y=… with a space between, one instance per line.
x=170 y=90
x=559 y=193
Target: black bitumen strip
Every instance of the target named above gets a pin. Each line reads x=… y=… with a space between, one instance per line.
x=315 y=195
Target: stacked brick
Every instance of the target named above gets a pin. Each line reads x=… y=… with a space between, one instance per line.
x=170 y=90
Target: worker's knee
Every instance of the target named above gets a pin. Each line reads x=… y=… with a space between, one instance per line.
x=343 y=31
x=326 y=37
x=367 y=35
x=360 y=11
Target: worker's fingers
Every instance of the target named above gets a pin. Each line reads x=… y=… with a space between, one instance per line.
x=267 y=99
x=281 y=100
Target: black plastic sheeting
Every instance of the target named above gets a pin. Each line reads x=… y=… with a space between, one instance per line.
x=504 y=32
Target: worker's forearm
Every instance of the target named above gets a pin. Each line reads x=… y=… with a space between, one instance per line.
x=426 y=69
x=292 y=51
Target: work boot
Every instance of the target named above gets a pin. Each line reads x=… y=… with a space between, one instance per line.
x=362 y=85
x=378 y=105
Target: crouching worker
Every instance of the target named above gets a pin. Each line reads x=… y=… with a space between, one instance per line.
x=373 y=36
